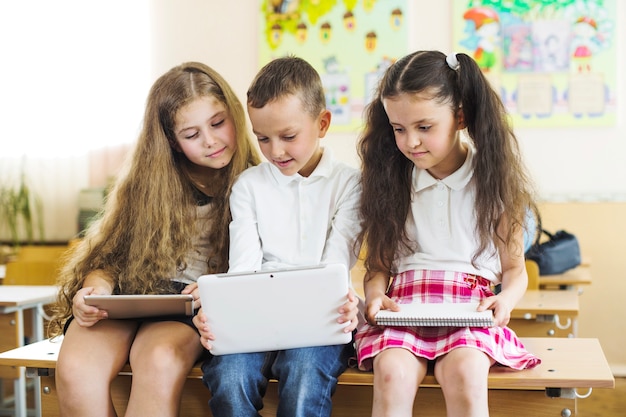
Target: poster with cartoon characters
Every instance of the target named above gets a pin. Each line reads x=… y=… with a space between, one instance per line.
x=349 y=42
x=553 y=62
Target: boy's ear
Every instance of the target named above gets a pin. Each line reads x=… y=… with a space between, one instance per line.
x=460 y=119
x=324 y=121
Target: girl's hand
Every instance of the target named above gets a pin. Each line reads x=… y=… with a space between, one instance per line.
x=193 y=290
x=200 y=321
x=501 y=307
x=349 y=312
x=85 y=315
x=376 y=303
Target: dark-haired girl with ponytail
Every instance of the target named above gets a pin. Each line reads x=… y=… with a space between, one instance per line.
x=444 y=200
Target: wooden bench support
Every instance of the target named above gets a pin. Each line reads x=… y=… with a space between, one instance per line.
x=567 y=365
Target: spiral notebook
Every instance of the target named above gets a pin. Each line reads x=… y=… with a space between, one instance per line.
x=436 y=315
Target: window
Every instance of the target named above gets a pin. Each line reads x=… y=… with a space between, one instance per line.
x=74 y=77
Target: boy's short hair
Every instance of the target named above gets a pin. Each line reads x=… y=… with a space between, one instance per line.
x=284 y=76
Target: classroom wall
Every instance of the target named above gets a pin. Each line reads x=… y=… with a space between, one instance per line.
x=580 y=172
x=567 y=162
x=600 y=228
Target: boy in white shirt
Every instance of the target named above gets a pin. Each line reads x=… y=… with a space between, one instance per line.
x=299 y=208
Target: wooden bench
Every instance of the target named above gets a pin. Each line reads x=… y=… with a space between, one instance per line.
x=570 y=367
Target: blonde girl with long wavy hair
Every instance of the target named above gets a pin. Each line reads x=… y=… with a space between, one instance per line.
x=164 y=224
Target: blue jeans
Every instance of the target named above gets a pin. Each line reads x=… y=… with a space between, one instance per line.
x=307 y=379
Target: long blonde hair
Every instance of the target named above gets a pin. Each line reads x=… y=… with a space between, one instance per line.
x=147 y=227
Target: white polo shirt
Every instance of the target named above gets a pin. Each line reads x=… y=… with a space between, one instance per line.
x=283 y=221
x=443 y=223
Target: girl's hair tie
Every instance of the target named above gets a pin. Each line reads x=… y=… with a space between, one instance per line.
x=452 y=62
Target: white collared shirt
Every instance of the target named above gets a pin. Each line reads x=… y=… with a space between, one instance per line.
x=442 y=221
x=284 y=221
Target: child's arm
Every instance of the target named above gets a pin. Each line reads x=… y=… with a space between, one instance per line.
x=375 y=288
x=245 y=252
x=340 y=242
x=341 y=246
x=514 y=281
x=96 y=282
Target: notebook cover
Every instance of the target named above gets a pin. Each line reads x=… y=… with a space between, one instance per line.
x=436 y=315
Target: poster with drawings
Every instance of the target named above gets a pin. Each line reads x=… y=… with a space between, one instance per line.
x=553 y=63
x=349 y=42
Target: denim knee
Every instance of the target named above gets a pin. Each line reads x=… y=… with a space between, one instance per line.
x=308 y=378
x=237 y=383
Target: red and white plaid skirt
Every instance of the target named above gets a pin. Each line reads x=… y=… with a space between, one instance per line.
x=500 y=343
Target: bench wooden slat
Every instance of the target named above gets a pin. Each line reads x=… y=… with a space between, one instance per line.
x=566 y=363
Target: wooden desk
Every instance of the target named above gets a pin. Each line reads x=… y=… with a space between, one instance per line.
x=14 y=300
x=548 y=390
x=543 y=313
x=581 y=275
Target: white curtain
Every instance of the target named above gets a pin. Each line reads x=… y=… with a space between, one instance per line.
x=74 y=78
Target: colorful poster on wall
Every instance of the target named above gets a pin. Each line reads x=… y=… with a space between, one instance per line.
x=554 y=63
x=349 y=42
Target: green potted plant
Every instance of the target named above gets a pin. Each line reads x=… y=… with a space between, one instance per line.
x=21 y=213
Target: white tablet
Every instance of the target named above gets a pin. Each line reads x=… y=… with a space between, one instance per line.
x=138 y=306
x=274 y=310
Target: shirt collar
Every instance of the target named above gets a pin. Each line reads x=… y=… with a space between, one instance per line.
x=323 y=169
x=456 y=181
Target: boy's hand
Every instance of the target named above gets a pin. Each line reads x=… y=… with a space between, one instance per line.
x=200 y=321
x=349 y=312
x=85 y=315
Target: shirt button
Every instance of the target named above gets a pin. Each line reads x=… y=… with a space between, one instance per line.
x=440 y=203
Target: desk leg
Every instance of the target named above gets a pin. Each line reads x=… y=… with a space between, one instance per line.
x=20 y=383
x=38 y=334
x=21 y=409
